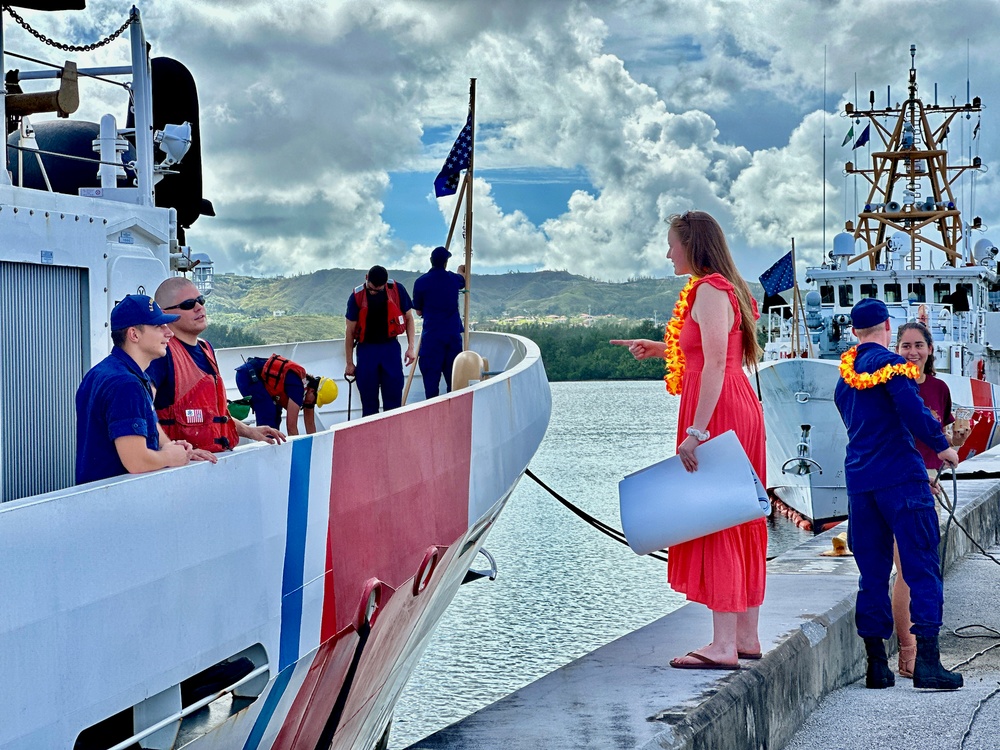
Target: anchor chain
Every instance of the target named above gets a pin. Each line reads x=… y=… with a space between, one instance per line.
x=60 y=45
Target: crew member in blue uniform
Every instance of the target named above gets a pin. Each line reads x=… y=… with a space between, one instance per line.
x=377 y=312
x=435 y=299
x=116 y=426
x=888 y=495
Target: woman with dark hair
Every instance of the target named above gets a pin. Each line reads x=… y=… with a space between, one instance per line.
x=710 y=338
x=915 y=344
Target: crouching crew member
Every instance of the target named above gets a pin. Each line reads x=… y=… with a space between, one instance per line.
x=277 y=383
x=190 y=394
x=377 y=312
x=888 y=495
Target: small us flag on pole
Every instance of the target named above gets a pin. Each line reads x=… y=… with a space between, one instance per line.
x=779 y=277
x=446 y=182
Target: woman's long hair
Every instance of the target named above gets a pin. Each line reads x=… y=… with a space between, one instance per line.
x=708 y=252
x=916 y=325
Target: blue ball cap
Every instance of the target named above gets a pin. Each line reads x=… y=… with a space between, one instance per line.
x=868 y=313
x=439 y=255
x=138 y=310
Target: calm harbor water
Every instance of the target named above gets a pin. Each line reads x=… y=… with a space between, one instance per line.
x=563 y=588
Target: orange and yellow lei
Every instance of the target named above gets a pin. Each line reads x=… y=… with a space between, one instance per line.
x=672 y=354
x=863 y=380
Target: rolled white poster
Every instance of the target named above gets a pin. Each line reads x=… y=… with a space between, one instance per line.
x=664 y=504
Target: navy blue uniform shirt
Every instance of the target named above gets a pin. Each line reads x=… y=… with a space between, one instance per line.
x=377 y=320
x=881 y=424
x=114 y=400
x=435 y=294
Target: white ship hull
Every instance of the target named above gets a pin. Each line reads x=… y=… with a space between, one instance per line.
x=307 y=576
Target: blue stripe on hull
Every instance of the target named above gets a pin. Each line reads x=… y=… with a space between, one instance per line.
x=291 y=586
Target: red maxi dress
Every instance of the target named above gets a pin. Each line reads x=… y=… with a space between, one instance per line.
x=724 y=571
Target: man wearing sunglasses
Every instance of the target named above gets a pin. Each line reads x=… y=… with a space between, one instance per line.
x=190 y=394
x=377 y=312
x=116 y=428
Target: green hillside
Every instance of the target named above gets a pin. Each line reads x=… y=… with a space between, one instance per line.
x=570 y=317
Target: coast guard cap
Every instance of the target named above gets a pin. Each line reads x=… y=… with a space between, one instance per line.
x=138 y=310
x=868 y=313
x=439 y=254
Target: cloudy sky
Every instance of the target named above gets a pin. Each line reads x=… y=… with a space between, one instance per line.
x=324 y=123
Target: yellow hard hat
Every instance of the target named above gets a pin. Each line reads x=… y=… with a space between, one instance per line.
x=326 y=393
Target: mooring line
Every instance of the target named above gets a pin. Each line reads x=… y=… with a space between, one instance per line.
x=610 y=531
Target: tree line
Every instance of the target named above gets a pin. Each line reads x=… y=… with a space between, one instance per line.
x=583 y=352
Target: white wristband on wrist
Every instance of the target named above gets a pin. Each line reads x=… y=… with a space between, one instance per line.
x=701 y=436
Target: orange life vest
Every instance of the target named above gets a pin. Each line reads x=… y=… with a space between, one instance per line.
x=272 y=375
x=200 y=411
x=394 y=313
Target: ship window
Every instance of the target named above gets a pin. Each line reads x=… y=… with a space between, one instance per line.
x=192 y=708
x=845 y=292
x=869 y=290
x=941 y=291
x=893 y=294
x=826 y=294
x=962 y=297
x=916 y=293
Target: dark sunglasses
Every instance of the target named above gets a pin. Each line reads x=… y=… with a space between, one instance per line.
x=188 y=304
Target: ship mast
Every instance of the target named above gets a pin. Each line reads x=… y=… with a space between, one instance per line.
x=911 y=180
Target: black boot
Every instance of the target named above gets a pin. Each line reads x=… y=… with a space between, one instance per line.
x=879 y=675
x=928 y=673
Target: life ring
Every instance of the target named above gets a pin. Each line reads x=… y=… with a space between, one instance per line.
x=370 y=605
x=426 y=569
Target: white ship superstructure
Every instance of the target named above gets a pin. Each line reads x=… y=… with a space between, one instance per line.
x=912 y=248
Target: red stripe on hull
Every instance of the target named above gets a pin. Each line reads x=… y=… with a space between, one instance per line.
x=314 y=701
x=983 y=422
x=399 y=486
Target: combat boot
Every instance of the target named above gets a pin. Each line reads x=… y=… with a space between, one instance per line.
x=928 y=674
x=878 y=675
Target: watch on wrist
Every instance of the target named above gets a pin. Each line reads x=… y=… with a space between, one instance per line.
x=698 y=434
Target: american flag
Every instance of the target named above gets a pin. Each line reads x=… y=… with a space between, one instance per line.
x=779 y=277
x=446 y=182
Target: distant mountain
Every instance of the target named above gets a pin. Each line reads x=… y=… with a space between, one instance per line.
x=501 y=295
x=312 y=306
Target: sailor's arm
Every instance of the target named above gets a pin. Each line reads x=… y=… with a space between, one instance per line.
x=137 y=458
x=916 y=416
x=352 y=326
x=411 y=328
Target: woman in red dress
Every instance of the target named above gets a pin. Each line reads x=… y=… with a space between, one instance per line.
x=709 y=341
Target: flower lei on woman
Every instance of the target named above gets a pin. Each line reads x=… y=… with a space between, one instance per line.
x=672 y=354
x=863 y=380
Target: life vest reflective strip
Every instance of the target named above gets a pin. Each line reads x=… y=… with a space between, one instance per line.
x=200 y=412
x=394 y=313
x=272 y=375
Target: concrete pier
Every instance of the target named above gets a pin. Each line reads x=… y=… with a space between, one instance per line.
x=625 y=695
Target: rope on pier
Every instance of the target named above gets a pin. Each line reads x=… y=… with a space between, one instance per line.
x=596 y=523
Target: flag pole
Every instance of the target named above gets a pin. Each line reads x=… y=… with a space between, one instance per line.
x=468 y=209
x=795 y=306
x=798 y=307
x=454 y=216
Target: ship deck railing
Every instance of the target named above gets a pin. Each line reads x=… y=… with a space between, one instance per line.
x=945 y=325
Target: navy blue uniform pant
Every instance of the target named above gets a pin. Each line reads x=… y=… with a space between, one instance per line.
x=437 y=357
x=266 y=412
x=379 y=368
x=907 y=513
